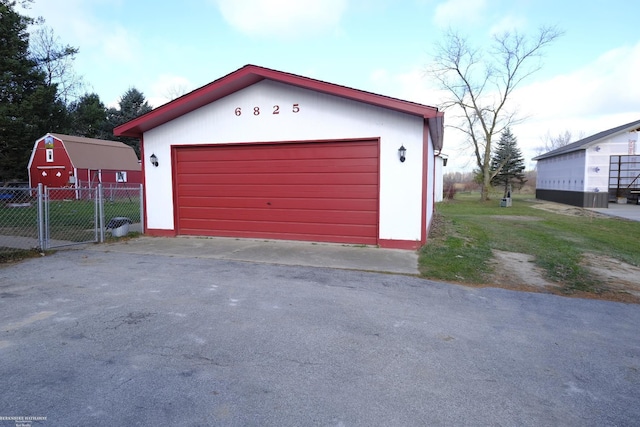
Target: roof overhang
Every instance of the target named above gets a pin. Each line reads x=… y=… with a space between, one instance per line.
x=251 y=74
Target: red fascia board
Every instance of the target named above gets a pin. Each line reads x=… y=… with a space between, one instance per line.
x=350 y=93
x=249 y=75
x=187 y=103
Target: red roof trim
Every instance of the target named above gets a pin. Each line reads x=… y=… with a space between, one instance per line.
x=249 y=75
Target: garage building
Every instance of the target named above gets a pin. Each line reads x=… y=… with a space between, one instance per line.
x=261 y=153
x=591 y=172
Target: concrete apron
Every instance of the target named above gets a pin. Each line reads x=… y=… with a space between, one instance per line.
x=308 y=254
x=627 y=211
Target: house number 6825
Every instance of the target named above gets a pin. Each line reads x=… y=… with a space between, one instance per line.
x=276 y=110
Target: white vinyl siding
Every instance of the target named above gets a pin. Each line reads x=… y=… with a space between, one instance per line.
x=320 y=117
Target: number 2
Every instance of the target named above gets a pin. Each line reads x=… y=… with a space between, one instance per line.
x=276 y=109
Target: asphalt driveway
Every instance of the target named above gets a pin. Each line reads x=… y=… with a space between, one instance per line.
x=126 y=339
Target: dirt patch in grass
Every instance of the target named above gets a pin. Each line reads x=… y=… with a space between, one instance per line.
x=619 y=281
x=617 y=275
x=514 y=268
x=516 y=218
x=569 y=210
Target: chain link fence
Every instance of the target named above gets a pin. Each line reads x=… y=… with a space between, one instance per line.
x=19 y=219
x=44 y=218
x=121 y=210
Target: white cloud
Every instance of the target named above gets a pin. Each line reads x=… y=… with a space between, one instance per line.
x=459 y=12
x=606 y=86
x=599 y=96
x=282 y=18
x=120 y=46
x=168 y=87
x=71 y=20
x=508 y=23
x=379 y=76
x=410 y=85
x=86 y=30
x=110 y=54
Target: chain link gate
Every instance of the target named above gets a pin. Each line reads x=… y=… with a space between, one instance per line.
x=71 y=216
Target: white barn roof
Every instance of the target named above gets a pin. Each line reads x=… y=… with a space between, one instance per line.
x=583 y=144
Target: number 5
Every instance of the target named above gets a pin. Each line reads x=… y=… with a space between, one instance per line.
x=296 y=108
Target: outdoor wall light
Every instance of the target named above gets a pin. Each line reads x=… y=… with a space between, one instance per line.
x=154 y=160
x=402 y=152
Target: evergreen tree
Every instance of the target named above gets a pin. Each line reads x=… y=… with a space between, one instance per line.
x=89 y=118
x=29 y=107
x=132 y=105
x=507 y=163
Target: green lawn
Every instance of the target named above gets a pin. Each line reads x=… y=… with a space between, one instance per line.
x=465 y=231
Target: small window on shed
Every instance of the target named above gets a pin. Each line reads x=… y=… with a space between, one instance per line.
x=121 y=176
x=49 y=155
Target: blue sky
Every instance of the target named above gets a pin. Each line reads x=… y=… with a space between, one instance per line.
x=589 y=82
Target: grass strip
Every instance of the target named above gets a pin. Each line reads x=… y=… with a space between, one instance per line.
x=465 y=231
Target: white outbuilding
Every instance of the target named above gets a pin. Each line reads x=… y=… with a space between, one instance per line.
x=594 y=171
x=261 y=153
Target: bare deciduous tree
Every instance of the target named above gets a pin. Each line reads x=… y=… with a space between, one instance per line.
x=551 y=142
x=175 y=91
x=479 y=84
x=56 y=61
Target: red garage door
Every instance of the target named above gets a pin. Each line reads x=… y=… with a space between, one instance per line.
x=322 y=191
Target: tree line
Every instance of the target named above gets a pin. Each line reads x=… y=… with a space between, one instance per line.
x=39 y=93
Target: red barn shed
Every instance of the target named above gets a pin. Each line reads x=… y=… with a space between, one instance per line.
x=75 y=162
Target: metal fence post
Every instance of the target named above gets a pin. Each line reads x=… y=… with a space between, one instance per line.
x=47 y=224
x=41 y=243
x=101 y=212
x=96 y=221
x=141 y=210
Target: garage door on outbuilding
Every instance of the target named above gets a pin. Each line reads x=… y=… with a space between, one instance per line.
x=261 y=153
x=324 y=191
